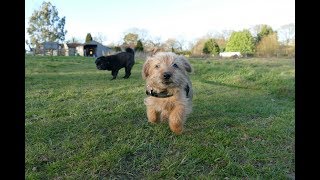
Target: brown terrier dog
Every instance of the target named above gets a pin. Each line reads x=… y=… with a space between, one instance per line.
x=169 y=89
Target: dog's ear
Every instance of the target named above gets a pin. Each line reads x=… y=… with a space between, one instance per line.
x=186 y=63
x=145 y=69
x=154 y=51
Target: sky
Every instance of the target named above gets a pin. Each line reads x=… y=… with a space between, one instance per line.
x=181 y=19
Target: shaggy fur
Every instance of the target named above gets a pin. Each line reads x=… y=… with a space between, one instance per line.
x=169 y=89
x=115 y=62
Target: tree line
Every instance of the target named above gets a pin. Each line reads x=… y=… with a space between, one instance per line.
x=46 y=25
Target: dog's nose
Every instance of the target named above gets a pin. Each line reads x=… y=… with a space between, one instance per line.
x=167 y=75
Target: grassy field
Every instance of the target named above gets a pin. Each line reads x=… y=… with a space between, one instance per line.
x=81 y=125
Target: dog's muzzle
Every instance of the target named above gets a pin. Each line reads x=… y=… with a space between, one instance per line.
x=166 y=78
x=167 y=75
x=99 y=64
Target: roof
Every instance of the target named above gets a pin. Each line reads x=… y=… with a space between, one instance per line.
x=95 y=43
x=74 y=45
x=50 y=45
x=92 y=43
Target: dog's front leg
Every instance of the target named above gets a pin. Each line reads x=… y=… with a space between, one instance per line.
x=114 y=74
x=152 y=114
x=176 y=119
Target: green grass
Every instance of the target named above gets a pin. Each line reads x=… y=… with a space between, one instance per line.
x=81 y=125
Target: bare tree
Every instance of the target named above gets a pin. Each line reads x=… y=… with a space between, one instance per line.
x=255 y=29
x=75 y=40
x=268 y=46
x=287 y=32
x=153 y=44
x=100 y=37
x=213 y=34
x=224 y=34
x=172 y=44
x=180 y=43
x=220 y=37
x=198 y=46
x=191 y=43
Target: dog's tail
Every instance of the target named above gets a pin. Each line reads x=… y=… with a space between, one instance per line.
x=129 y=50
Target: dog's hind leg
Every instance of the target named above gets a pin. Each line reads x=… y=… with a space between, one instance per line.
x=114 y=74
x=128 y=72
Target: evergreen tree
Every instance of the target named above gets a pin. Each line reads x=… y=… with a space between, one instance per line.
x=211 y=47
x=117 y=48
x=241 y=41
x=139 y=46
x=88 y=37
x=264 y=31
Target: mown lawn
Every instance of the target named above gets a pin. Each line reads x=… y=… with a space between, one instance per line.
x=81 y=125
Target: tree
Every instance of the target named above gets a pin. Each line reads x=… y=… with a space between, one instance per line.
x=152 y=43
x=211 y=47
x=88 y=37
x=222 y=44
x=100 y=38
x=268 y=46
x=265 y=30
x=224 y=34
x=220 y=38
x=74 y=40
x=255 y=30
x=130 y=39
x=117 y=48
x=198 y=46
x=172 y=45
x=287 y=32
x=139 y=46
x=46 y=25
x=241 y=41
x=142 y=33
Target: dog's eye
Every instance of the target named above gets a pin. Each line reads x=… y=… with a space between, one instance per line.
x=175 y=65
x=157 y=66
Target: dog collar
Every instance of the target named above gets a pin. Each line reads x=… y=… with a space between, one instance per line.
x=164 y=94
x=187 y=89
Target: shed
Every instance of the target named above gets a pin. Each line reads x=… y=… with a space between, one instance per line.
x=50 y=48
x=95 y=49
x=73 y=49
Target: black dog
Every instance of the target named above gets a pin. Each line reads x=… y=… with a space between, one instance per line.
x=115 y=62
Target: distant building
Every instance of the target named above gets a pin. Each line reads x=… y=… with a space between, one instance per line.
x=49 y=48
x=90 y=49
x=73 y=49
x=95 y=49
